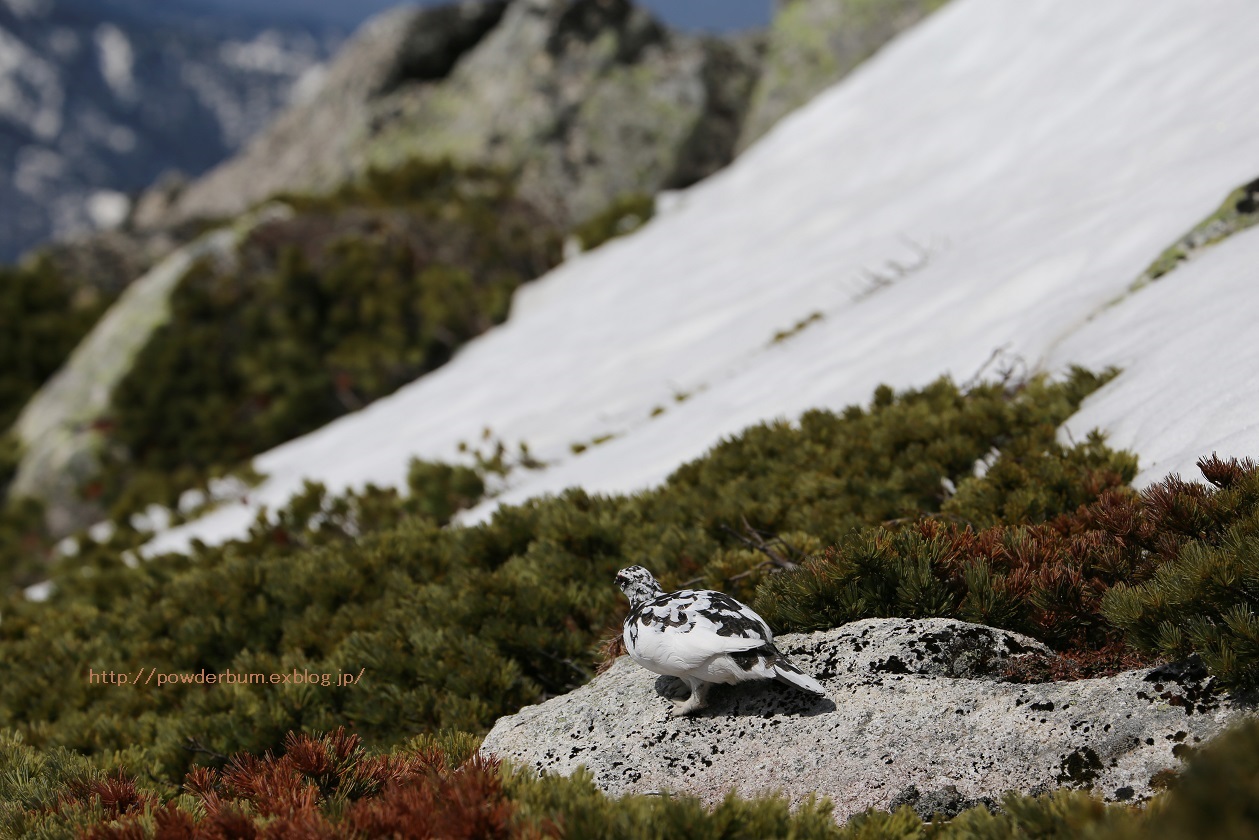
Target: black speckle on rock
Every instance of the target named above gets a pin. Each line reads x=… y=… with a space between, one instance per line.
x=1191 y=670
x=891 y=665
x=1015 y=647
x=945 y=803
x=1249 y=201
x=1124 y=794
x=1080 y=768
x=1047 y=706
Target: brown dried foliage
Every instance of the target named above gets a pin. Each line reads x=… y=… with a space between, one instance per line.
x=610 y=649
x=1114 y=658
x=1062 y=568
x=321 y=788
x=1047 y=580
x=117 y=796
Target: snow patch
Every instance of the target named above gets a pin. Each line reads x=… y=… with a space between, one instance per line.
x=267 y=53
x=36 y=168
x=64 y=43
x=39 y=592
x=108 y=209
x=30 y=90
x=309 y=84
x=117 y=60
x=1052 y=148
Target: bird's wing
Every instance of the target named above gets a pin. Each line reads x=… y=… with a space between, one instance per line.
x=688 y=627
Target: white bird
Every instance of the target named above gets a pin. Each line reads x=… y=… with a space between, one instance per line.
x=702 y=637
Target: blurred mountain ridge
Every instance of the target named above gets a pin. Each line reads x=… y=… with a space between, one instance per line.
x=99 y=99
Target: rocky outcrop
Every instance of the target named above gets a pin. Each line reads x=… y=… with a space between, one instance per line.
x=815 y=43
x=313 y=146
x=104 y=263
x=60 y=429
x=918 y=716
x=582 y=100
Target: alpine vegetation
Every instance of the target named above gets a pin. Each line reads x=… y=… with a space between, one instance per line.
x=702 y=637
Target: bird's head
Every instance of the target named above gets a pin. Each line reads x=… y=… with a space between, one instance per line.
x=638 y=585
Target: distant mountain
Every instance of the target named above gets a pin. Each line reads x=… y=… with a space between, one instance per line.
x=98 y=98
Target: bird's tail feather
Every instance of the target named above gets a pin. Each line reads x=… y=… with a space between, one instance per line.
x=789 y=674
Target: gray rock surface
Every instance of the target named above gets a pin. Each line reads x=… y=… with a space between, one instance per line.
x=59 y=428
x=815 y=43
x=919 y=717
x=584 y=100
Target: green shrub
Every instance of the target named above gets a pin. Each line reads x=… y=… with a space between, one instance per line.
x=1172 y=571
x=455 y=626
x=45 y=315
x=32 y=785
x=1218 y=793
x=623 y=216
x=1203 y=598
x=10 y=458
x=24 y=541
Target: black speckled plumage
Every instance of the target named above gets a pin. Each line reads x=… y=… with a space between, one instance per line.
x=702 y=637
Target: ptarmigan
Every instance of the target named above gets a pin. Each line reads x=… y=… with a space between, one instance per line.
x=702 y=637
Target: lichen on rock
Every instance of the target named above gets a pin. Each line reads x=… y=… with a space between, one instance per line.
x=920 y=716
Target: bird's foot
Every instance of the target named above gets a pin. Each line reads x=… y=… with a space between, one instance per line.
x=692 y=704
x=686 y=707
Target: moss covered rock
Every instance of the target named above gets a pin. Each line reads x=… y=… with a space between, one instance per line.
x=815 y=43
x=581 y=101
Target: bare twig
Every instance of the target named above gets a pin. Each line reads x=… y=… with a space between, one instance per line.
x=195 y=746
x=584 y=673
x=1011 y=368
x=755 y=539
x=759 y=567
x=940 y=515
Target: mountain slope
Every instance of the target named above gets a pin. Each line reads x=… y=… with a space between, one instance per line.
x=992 y=181
x=98 y=100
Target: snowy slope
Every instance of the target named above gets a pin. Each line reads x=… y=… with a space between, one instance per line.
x=1039 y=153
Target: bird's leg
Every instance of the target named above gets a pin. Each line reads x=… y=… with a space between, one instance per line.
x=699 y=696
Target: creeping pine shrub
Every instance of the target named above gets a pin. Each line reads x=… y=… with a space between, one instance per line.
x=1217 y=795
x=1204 y=596
x=454 y=625
x=44 y=315
x=44 y=312
x=24 y=540
x=1129 y=576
